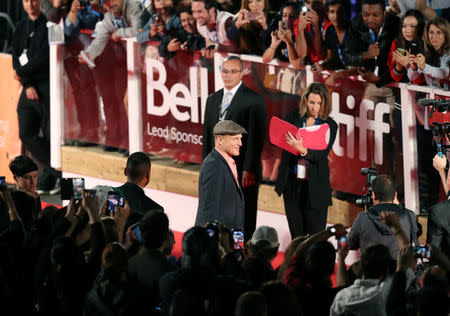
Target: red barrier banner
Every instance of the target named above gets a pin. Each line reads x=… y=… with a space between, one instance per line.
x=175 y=95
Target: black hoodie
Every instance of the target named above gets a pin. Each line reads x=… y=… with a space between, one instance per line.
x=368 y=228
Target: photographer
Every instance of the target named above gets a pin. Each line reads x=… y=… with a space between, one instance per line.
x=282 y=42
x=368 y=226
x=186 y=37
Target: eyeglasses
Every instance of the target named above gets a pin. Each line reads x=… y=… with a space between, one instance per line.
x=233 y=71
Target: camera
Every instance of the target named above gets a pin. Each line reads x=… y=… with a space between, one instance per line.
x=366 y=199
x=422 y=252
x=72 y=188
x=114 y=199
x=2 y=184
x=251 y=16
x=212 y=228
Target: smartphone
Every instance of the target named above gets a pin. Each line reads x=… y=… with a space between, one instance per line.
x=114 y=199
x=423 y=252
x=137 y=232
x=91 y=193
x=401 y=51
x=72 y=187
x=251 y=16
x=342 y=242
x=282 y=25
x=78 y=188
x=238 y=238
x=2 y=183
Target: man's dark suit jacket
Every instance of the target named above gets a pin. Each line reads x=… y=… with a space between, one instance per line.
x=136 y=198
x=438 y=231
x=219 y=196
x=248 y=109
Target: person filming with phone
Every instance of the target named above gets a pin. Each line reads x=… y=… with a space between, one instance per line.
x=368 y=226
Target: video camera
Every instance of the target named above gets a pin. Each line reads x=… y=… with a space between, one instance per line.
x=436 y=105
x=440 y=125
x=366 y=199
x=440 y=131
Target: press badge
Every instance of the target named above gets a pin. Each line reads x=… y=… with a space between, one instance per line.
x=301 y=169
x=23 y=59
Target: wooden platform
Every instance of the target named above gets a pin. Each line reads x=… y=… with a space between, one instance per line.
x=177 y=177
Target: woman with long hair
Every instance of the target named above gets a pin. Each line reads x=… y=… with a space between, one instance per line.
x=248 y=26
x=304 y=179
x=407 y=46
x=433 y=65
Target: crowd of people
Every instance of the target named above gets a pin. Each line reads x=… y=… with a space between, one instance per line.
x=88 y=258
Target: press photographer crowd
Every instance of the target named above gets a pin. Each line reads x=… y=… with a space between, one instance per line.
x=110 y=251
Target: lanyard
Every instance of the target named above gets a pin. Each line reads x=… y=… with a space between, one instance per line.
x=89 y=9
x=116 y=22
x=29 y=33
x=339 y=48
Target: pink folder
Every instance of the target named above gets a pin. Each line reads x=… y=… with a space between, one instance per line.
x=314 y=137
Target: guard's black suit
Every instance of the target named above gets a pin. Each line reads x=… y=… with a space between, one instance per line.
x=247 y=108
x=438 y=231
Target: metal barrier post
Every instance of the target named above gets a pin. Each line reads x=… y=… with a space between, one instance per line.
x=135 y=126
x=56 y=104
x=409 y=139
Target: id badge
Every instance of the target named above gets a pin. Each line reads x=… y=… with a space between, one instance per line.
x=23 y=59
x=301 y=170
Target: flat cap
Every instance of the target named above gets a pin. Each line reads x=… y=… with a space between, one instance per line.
x=227 y=127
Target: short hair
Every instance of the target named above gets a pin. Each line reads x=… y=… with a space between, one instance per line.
x=21 y=165
x=197 y=247
x=155 y=229
x=184 y=7
x=110 y=229
x=251 y=303
x=384 y=189
x=138 y=164
x=344 y=12
x=320 y=261
x=234 y=57
x=280 y=299
x=375 y=261
x=208 y=3
x=382 y=3
x=114 y=262
x=320 y=89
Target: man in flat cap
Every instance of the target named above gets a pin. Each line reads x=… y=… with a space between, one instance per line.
x=240 y=104
x=220 y=195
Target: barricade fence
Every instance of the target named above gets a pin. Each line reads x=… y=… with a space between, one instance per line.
x=136 y=100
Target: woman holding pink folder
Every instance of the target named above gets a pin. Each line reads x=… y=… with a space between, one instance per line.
x=304 y=179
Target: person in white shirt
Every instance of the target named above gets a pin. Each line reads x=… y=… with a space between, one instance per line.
x=213 y=25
